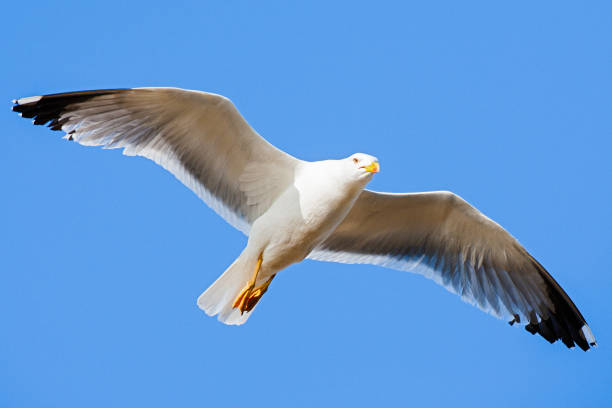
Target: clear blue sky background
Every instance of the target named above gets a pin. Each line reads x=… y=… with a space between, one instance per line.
x=103 y=256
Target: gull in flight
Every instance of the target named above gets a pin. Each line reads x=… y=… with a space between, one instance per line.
x=292 y=209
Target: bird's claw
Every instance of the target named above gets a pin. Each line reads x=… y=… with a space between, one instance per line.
x=250 y=295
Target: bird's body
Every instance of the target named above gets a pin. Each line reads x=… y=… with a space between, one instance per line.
x=302 y=217
x=299 y=220
x=292 y=209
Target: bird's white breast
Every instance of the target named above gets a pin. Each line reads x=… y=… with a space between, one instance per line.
x=304 y=215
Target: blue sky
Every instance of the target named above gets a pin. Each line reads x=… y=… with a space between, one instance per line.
x=103 y=256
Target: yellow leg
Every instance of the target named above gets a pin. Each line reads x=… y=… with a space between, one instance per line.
x=250 y=295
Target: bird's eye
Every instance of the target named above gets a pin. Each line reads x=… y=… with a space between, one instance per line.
x=355 y=160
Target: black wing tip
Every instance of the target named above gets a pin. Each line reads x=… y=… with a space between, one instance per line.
x=564 y=325
x=583 y=337
x=49 y=108
x=564 y=321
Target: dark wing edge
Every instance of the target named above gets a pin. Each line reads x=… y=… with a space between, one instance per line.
x=47 y=109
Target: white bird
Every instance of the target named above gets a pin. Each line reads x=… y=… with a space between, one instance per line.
x=292 y=209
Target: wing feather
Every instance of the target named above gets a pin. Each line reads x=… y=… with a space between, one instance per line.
x=443 y=237
x=199 y=137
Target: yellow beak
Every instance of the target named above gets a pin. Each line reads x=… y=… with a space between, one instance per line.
x=374 y=167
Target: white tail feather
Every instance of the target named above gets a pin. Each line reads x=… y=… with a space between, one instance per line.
x=219 y=298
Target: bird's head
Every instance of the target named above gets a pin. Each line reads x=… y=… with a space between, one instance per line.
x=363 y=165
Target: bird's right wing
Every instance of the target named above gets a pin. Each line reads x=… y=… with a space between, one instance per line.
x=443 y=237
x=199 y=137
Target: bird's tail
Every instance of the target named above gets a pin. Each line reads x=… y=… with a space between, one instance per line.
x=219 y=298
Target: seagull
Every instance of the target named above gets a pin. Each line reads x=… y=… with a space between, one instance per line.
x=291 y=209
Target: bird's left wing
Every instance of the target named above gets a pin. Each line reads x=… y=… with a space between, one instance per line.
x=443 y=237
x=199 y=137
